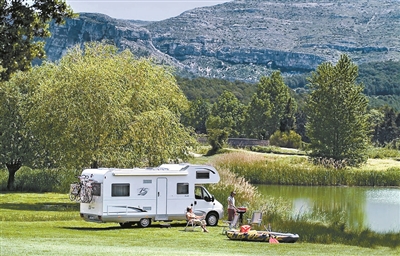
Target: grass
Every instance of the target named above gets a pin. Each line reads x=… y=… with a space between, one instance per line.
x=57 y=229
x=49 y=223
x=80 y=238
x=380 y=164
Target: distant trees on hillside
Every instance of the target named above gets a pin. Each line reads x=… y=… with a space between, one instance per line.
x=380 y=78
x=211 y=88
x=386 y=127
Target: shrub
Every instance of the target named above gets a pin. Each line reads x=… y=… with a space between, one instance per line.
x=285 y=139
x=37 y=180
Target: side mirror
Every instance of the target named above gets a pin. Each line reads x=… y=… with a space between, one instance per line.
x=212 y=198
x=207 y=199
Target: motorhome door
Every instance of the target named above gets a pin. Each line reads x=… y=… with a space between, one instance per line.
x=161 y=210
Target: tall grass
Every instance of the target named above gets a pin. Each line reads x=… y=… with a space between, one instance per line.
x=385 y=152
x=295 y=170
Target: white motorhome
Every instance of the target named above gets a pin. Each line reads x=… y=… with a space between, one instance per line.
x=142 y=195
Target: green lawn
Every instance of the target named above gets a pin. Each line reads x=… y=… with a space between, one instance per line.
x=49 y=224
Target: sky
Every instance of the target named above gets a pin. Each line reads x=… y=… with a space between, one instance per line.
x=148 y=10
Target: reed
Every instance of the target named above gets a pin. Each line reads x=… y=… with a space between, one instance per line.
x=295 y=170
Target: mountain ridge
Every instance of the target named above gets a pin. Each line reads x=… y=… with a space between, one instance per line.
x=246 y=39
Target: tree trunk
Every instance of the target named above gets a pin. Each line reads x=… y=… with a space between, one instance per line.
x=94 y=164
x=12 y=168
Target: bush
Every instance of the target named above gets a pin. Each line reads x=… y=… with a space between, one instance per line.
x=285 y=139
x=37 y=180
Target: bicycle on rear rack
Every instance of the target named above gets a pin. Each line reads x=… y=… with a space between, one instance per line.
x=81 y=192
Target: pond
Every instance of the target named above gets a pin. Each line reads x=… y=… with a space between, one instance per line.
x=376 y=208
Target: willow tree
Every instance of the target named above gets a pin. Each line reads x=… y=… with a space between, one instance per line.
x=98 y=106
x=337 y=114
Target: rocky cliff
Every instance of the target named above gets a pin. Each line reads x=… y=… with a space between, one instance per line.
x=245 y=39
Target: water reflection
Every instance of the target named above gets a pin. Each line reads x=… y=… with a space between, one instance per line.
x=362 y=207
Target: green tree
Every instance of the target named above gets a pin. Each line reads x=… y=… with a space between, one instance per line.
x=17 y=144
x=14 y=147
x=100 y=107
x=385 y=128
x=337 y=114
x=197 y=114
x=271 y=108
x=21 y=22
x=231 y=112
x=226 y=119
x=217 y=133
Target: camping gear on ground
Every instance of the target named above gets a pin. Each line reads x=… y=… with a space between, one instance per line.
x=261 y=236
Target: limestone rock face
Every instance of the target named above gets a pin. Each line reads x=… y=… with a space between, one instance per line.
x=246 y=39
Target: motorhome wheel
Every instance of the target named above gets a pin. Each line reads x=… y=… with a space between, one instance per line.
x=144 y=223
x=212 y=219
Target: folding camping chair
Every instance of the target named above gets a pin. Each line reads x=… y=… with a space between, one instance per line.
x=191 y=225
x=230 y=224
x=256 y=218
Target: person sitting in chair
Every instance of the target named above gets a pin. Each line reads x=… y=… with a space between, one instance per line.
x=198 y=220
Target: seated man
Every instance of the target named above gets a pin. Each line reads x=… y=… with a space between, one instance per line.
x=198 y=220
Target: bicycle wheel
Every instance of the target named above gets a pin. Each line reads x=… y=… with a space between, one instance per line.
x=74 y=191
x=89 y=195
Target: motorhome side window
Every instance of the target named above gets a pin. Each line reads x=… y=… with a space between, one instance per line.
x=202 y=175
x=96 y=189
x=182 y=188
x=120 y=189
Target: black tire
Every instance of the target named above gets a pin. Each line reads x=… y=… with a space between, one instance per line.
x=126 y=224
x=144 y=223
x=212 y=219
